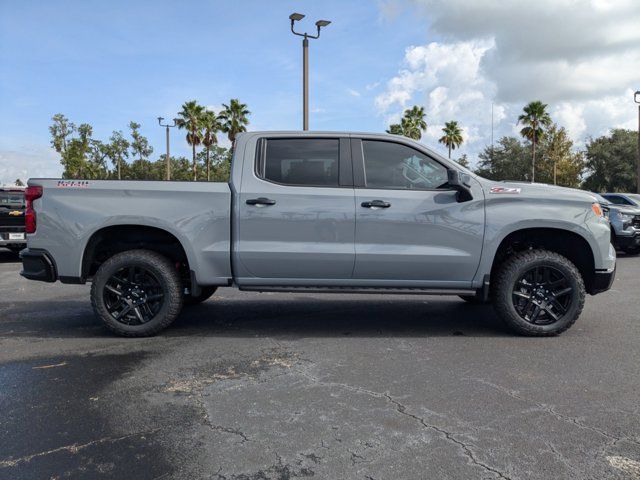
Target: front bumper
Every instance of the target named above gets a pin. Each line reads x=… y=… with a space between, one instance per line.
x=628 y=241
x=38 y=265
x=602 y=281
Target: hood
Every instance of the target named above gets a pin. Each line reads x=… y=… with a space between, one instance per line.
x=544 y=190
x=628 y=209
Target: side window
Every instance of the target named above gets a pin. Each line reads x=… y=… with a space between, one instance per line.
x=300 y=161
x=617 y=200
x=396 y=166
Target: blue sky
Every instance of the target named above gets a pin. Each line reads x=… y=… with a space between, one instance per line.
x=107 y=63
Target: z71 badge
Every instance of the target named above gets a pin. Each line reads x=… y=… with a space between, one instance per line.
x=504 y=190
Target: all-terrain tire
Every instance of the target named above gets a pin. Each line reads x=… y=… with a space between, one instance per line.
x=513 y=268
x=168 y=278
x=205 y=294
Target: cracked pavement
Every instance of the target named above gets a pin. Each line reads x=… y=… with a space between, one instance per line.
x=281 y=386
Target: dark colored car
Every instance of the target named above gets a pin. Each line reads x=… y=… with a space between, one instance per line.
x=12 y=227
x=624 y=217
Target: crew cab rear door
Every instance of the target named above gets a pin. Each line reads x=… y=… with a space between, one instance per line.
x=296 y=213
x=410 y=228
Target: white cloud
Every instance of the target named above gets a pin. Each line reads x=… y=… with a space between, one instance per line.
x=352 y=92
x=29 y=162
x=581 y=57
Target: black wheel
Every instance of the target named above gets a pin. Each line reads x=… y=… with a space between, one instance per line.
x=137 y=293
x=205 y=293
x=539 y=293
x=473 y=299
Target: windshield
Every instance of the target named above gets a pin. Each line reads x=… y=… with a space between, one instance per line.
x=11 y=199
x=634 y=197
x=601 y=199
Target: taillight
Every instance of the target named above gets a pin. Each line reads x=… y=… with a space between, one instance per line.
x=31 y=193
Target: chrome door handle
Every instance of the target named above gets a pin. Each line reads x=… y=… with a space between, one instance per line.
x=375 y=204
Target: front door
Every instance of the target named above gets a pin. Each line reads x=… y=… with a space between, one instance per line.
x=410 y=228
x=296 y=212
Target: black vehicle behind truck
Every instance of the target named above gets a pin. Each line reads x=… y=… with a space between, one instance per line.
x=12 y=226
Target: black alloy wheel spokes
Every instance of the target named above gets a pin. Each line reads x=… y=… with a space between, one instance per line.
x=133 y=295
x=542 y=295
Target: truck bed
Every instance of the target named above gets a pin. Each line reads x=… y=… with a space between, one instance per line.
x=70 y=212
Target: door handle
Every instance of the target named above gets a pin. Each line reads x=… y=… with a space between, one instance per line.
x=375 y=204
x=261 y=201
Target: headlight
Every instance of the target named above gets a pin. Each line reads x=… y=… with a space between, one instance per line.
x=597 y=209
x=625 y=217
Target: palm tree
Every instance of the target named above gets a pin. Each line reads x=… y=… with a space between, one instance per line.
x=190 y=118
x=211 y=126
x=234 y=119
x=452 y=137
x=415 y=118
x=535 y=120
x=411 y=125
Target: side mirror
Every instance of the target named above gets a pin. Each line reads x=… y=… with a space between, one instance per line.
x=461 y=182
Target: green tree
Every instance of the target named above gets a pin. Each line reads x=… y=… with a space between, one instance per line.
x=559 y=163
x=211 y=126
x=61 y=130
x=19 y=183
x=118 y=151
x=463 y=160
x=611 y=162
x=452 y=137
x=412 y=124
x=75 y=158
x=535 y=120
x=234 y=119
x=508 y=160
x=190 y=118
x=140 y=147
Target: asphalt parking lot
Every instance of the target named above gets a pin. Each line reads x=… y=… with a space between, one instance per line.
x=279 y=386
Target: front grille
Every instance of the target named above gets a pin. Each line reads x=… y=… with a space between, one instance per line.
x=636 y=221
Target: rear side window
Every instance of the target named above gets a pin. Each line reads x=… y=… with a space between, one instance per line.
x=395 y=166
x=300 y=161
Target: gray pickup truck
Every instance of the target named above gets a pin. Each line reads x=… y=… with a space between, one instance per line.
x=322 y=212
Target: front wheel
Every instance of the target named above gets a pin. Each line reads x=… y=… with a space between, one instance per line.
x=137 y=293
x=538 y=293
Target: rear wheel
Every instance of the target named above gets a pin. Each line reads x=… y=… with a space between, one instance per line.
x=205 y=294
x=539 y=293
x=137 y=293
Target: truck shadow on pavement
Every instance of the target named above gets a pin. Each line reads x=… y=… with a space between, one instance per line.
x=294 y=317
x=7 y=256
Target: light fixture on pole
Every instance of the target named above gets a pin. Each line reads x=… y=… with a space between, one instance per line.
x=168 y=158
x=636 y=98
x=296 y=17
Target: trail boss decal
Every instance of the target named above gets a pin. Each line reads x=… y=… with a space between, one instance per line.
x=73 y=183
x=505 y=190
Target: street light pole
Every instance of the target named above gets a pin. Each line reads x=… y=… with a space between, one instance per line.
x=168 y=158
x=636 y=98
x=294 y=17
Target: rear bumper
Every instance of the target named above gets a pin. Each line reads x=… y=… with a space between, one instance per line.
x=38 y=265
x=5 y=241
x=602 y=281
